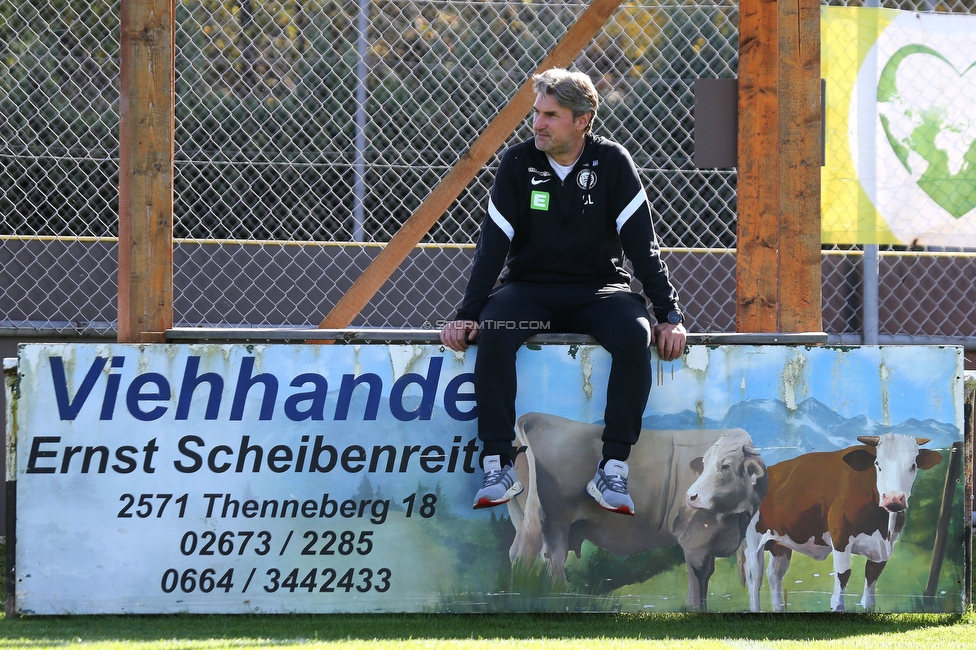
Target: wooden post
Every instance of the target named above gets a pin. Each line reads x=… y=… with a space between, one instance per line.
x=758 y=172
x=800 y=264
x=146 y=111
x=471 y=162
x=779 y=260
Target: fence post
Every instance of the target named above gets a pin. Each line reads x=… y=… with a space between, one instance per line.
x=146 y=143
x=779 y=259
x=867 y=157
x=757 y=240
x=362 y=74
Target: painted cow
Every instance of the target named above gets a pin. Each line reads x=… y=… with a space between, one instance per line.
x=696 y=488
x=846 y=502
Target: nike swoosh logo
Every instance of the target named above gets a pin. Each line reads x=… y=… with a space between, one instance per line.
x=537 y=181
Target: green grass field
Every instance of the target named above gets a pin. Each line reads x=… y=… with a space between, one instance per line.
x=609 y=631
x=476 y=631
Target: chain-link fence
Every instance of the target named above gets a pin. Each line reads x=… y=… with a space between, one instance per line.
x=899 y=293
x=307 y=131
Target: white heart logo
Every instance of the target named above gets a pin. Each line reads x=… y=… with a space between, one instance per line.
x=912 y=129
x=925 y=108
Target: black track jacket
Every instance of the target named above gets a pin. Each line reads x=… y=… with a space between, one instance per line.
x=574 y=231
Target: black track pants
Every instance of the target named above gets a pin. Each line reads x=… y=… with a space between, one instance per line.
x=614 y=315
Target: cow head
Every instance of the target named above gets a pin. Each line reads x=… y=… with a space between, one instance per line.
x=896 y=459
x=731 y=476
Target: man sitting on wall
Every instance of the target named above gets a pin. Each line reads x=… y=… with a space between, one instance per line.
x=565 y=208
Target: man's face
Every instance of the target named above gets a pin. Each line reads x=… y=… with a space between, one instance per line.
x=557 y=132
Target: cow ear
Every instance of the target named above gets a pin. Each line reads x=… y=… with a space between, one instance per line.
x=921 y=441
x=859 y=459
x=927 y=459
x=869 y=440
x=755 y=468
x=527 y=423
x=698 y=465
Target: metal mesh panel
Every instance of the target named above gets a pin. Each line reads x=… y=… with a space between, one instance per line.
x=923 y=293
x=308 y=131
x=291 y=128
x=58 y=163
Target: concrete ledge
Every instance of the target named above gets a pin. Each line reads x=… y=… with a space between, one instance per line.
x=385 y=335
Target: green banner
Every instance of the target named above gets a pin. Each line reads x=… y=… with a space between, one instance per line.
x=901 y=136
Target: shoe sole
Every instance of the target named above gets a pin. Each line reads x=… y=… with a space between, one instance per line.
x=594 y=492
x=485 y=502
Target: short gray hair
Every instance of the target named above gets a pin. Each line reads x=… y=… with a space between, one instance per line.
x=572 y=90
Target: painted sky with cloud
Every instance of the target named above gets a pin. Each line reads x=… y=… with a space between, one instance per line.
x=888 y=384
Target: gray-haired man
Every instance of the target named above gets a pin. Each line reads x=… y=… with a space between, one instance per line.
x=565 y=209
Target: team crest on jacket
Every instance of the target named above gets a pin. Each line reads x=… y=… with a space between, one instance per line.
x=586 y=179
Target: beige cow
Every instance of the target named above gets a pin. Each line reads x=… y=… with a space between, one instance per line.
x=696 y=488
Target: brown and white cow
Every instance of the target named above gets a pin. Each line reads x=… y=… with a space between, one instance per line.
x=696 y=488
x=846 y=502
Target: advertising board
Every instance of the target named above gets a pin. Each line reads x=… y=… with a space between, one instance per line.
x=307 y=478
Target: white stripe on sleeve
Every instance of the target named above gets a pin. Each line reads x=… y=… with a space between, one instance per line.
x=501 y=222
x=632 y=207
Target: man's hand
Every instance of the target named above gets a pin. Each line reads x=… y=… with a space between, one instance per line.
x=670 y=340
x=457 y=334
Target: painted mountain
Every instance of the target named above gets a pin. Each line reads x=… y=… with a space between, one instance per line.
x=782 y=433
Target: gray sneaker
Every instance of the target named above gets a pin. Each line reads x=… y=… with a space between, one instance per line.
x=500 y=484
x=609 y=487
